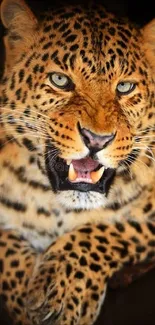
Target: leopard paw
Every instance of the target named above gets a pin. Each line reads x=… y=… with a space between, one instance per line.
x=45 y=295
x=64 y=291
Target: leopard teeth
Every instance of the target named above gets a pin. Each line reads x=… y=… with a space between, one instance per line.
x=68 y=161
x=72 y=174
x=95 y=176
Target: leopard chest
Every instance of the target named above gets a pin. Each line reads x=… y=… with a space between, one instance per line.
x=26 y=199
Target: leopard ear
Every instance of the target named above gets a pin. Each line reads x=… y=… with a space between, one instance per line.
x=15 y=12
x=21 y=25
x=149 y=33
x=149 y=42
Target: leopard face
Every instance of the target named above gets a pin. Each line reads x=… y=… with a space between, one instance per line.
x=78 y=90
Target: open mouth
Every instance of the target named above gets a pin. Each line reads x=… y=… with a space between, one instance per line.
x=84 y=170
x=81 y=175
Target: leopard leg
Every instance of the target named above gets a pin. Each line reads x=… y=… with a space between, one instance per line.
x=17 y=260
x=69 y=284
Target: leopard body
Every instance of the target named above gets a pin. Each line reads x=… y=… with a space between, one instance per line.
x=70 y=240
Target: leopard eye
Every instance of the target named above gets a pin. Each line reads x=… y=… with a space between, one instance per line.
x=61 y=81
x=125 y=87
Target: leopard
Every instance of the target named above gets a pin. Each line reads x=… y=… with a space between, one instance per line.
x=77 y=144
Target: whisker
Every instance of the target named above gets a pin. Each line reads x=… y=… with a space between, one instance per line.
x=21 y=111
x=147 y=156
x=28 y=121
x=50 y=154
x=128 y=169
x=25 y=134
x=144 y=131
x=31 y=133
x=140 y=162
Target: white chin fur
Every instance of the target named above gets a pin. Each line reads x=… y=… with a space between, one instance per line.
x=81 y=200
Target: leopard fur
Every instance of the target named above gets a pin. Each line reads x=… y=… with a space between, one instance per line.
x=59 y=246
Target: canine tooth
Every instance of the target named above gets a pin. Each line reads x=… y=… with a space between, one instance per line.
x=95 y=176
x=68 y=161
x=72 y=174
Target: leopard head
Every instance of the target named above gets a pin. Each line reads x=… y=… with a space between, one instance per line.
x=78 y=90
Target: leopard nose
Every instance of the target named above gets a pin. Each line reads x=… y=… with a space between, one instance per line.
x=94 y=141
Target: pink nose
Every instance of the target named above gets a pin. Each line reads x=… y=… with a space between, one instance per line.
x=94 y=141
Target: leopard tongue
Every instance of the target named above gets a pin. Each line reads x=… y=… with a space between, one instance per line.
x=84 y=176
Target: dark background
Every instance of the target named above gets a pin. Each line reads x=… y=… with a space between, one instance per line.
x=135 y=304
